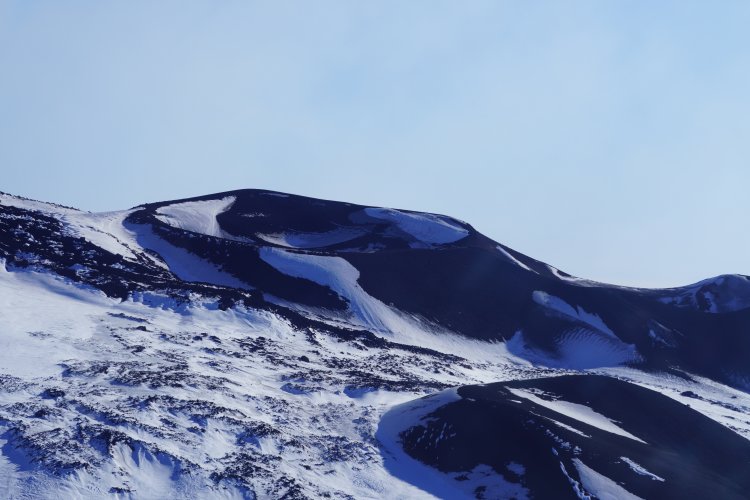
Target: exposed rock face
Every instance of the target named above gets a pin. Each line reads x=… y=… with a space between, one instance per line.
x=248 y=343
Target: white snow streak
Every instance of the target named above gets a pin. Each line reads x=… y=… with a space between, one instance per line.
x=197 y=216
x=515 y=261
x=427 y=228
x=640 y=470
x=601 y=486
x=578 y=412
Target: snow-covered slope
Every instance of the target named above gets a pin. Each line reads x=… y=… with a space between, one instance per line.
x=258 y=345
x=566 y=437
x=721 y=294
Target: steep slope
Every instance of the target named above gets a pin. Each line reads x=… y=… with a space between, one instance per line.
x=447 y=274
x=246 y=344
x=570 y=437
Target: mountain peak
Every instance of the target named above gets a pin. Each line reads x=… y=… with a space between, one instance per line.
x=247 y=343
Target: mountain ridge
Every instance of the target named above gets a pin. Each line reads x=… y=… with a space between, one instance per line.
x=515 y=252
x=248 y=344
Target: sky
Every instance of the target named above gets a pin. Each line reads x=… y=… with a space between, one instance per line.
x=610 y=139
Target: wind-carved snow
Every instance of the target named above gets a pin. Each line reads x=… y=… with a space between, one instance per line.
x=312 y=240
x=658 y=338
x=515 y=261
x=603 y=487
x=41 y=206
x=726 y=405
x=722 y=294
x=431 y=482
x=187 y=401
x=577 y=349
x=590 y=346
x=368 y=312
x=575 y=312
x=340 y=276
x=155 y=397
x=24 y=343
x=578 y=412
x=184 y=264
x=427 y=228
x=640 y=470
x=197 y=216
x=105 y=230
x=567 y=427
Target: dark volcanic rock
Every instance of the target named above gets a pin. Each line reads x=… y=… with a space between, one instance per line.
x=659 y=448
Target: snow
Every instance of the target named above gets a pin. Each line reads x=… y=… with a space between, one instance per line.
x=591 y=346
x=69 y=326
x=197 y=216
x=516 y=468
x=428 y=228
x=148 y=475
x=40 y=206
x=51 y=328
x=582 y=349
x=184 y=264
x=494 y=484
x=576 y=411
x=428 y=482
x=311 y=240
x=723 y=294
x=341 y=277
x=601 y=486
x=50 y=324
x=640 y=470
x=579 y=492
x=659 y=339
x=577 y=349
x=565 y=426
x=10 y=486
x=723 y=404
x=368 y=312
x=105 y=230
x=36 y=308
x=515 y=261
x=575 y=312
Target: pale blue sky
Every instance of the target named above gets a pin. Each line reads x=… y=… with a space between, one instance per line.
x=608 y=138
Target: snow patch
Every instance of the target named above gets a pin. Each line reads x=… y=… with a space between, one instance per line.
x=577 y=349
x=36 y=307
x=576 y=312
x=40 y=206
x=340 y=276
x=515 y=261
x=603 y=487
x=431 y=482
x=197 y=216
x=721 y=403
x=184 y=264
x=581 y=348
x=311 y=240
x=105 y=230
x=427 y=228
x=578 y=412
x=567 y=427
x=640 y=470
